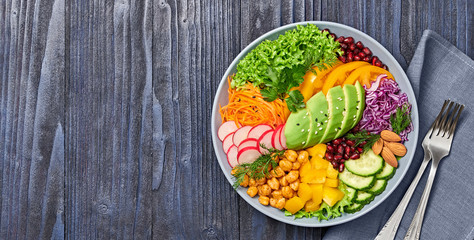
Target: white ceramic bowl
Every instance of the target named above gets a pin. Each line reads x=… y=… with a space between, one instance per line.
x=396 y=70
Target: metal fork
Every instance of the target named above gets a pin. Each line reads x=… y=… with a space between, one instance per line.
x=390 y=229
x=440 y=145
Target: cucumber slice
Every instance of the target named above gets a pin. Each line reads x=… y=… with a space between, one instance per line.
x=351 y=193
x=364 y=197
x=386 y=173
x=355 y=207
x=368 y=164
x=378 y=187
x=355 y=181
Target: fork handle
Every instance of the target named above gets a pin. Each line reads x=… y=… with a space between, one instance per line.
x=414 y=230
x=390 y=229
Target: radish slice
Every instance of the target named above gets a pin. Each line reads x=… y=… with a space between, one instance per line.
x=249 y=142
x=276 y=138
x=232 y=156
x=257 y=131
x=283 y=138
x=241 y=134
x=266 y=140
x=248 y=155
x=226 y=129
x=227 y=142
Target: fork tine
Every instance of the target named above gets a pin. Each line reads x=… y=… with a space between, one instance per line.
x=442 y=122
x=435 y=123
x=453 y=126
x=449 y=122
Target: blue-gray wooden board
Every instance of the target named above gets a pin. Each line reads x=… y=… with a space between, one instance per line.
x=105 y=109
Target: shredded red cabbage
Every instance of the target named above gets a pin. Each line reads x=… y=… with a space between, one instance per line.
x=382 y=100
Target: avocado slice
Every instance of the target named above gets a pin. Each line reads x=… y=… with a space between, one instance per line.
x=336 y=104
x=350 y=110
x=360 y=104
x=318 y=109
x=296 y=129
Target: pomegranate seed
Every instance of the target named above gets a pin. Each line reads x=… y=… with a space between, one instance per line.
x=329 y=156
x=329 y=148
x=356 y=58
x=361 y=54
x=336 y=141
x=359 y=45
x=356 y=51
x=340 y=149
x=374 y=59
x=343 y=160
x=350 y=57
x=350 y=143
x=378 y=63
x=348 y=40
x=343 y=45
x=385 y=67
x=363 y=143
x=333 y=35
x=366 y=59
x=352 y=46
x=341 y=167
x=346 y=156
x=335 y=164
x=355 y=156
x=340 y=39
x=325 y=30
x=347 y=150
x=361 y=150
x=338 y=157
x=342 y=59
x=367 y=51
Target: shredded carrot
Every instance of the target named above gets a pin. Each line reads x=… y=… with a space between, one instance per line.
x=247 y=108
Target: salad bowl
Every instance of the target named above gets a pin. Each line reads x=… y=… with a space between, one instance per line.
x=221 y=99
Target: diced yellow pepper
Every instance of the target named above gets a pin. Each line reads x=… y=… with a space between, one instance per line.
x=319 y=163
x=305 y=192
x=332 y=195
x=315 y=176
x=331 y=172
x=294 y=204
x=317 y=150
x=311 y=206
x=317 y=193
x=331 y=182
x=305 y=169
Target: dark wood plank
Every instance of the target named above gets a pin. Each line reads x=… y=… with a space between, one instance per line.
x=32 y=133
x=109 y=120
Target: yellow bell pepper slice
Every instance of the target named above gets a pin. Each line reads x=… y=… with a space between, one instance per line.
x=294 y=204
x=366 y=75
x=305 y=192
x=311 y=206
x=331 y=172
x=332 y=195
x=317 y=193
x=340 y=73
x=331 y=182
x=317 y=150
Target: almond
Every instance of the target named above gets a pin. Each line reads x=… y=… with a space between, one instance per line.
x=377 y=147
x=397 y=149
x=389 y=158
x=390 y=136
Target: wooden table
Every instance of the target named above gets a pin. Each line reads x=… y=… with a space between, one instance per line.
x=105 y=109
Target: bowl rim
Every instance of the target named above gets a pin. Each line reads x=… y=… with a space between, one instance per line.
x=414 y=115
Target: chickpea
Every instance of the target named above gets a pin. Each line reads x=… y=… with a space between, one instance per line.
x=277 y=194
x=287 y=192
x=296 y=166
x=261 y=181
x=245 y=183
x=273 y=202
x=277 y=172
x=295 y=185
x=285 y=165
x=264 y=190
x=276 y=159
x=252 y=191
x=303 y=157
x=291 y=155
x=252 y=183
x=280 y=203
x=274 y=183
x=283 y=181
x=292 y=176
x=263 y=200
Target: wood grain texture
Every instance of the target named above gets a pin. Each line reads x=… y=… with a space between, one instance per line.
x=105 y=109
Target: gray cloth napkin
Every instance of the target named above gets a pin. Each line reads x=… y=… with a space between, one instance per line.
x=438 y=71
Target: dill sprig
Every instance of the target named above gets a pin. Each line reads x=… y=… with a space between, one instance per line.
x=363 y=136
x=257 y=169
x=401 y=119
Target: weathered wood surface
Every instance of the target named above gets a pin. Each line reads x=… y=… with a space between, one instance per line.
x=105 y=109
